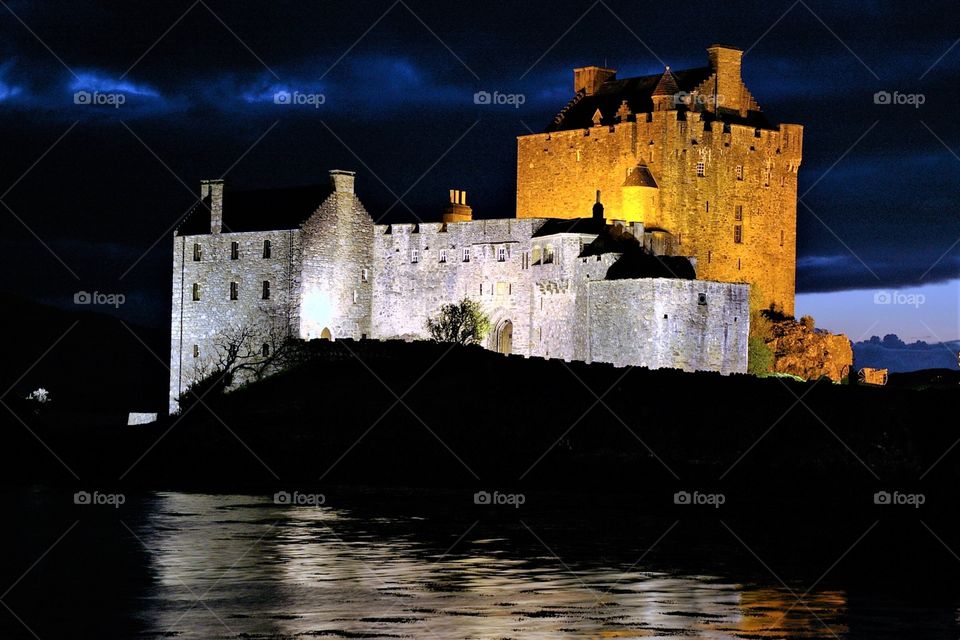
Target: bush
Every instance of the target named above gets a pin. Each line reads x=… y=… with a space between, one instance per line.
x=463 y=322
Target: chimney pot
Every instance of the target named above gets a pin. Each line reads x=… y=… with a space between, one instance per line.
x=342 y=180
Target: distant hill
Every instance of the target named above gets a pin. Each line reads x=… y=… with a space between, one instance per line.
x=897 y=356
x=87 y=361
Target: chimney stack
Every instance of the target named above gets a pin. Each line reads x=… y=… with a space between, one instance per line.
x=342 y=180
x=590 y=78
x=457 y=210
x=211 y=192
x=725 y=62
x=598 y=208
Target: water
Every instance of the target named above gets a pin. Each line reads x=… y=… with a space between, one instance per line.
x=212 y=566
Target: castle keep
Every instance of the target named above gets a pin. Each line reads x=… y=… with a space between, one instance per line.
x=717 y=179
x=644 y=213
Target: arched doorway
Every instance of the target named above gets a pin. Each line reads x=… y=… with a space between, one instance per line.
x=505 y=337
x=325 y=334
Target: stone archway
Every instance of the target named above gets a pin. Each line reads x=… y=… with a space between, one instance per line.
x=504 y=337
x=325 y=334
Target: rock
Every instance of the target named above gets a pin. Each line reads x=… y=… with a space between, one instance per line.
x=809 y=353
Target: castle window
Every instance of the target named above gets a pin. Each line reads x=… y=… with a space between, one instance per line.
x=196 y=291
x=701 y=298
x=234 y=250
x=548 y=254
x=356 y=296
x=364 y=275
x=481 y=288
x=766 y=177
x=701 y=169
x=783 y=180
x=709 y=257
x=781 y=237
x=265 y=350
x=466 y=254
x=708 y=206
x=267 y=249
x=234 y=291
x=196 y=351
x=738 y=264
x=266 y=290
x=738 y=233
x=739 y=172
x=443 y=256
x=197 y=252
x=501 y=254
x=414 y=256
x=537 y=255
x=738 y=213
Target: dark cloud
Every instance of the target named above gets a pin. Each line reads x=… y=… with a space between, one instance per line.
x=398 y=92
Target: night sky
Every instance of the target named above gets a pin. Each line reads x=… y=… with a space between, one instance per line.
x=92 y=191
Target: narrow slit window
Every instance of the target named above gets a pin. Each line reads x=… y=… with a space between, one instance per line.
x=266 y=290
x=738 y=234
x=196 y=291
x=234 y=250
x=234 y=290
x=267 y=249
x=501 y=254
x=197 y=252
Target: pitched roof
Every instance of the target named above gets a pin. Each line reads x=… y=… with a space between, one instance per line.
x=638 y=93
x=667 y=86
x=553 y=226
x=257 y=209
x=640 y=177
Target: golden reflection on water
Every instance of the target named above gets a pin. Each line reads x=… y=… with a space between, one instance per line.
x=231 y=565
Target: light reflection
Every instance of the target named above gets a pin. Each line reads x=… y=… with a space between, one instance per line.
x=279 y=571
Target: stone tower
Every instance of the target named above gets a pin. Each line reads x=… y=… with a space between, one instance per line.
x=687 y=151
x=334 y=291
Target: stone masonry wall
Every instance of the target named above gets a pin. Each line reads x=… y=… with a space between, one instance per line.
x=420 y=267
x=196 y=323
x=335 y=284
x=559 y=173
x=661 y=322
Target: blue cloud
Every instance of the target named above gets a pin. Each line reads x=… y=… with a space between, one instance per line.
x=103 y=83
x=7 y=89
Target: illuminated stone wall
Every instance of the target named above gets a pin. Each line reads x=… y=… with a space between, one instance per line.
x=559 y=173
x=337 y=251
x=196 y=323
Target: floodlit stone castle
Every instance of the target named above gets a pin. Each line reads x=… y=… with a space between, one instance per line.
x=644 y=213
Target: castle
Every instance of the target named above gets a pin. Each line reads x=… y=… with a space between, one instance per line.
x=689 y=195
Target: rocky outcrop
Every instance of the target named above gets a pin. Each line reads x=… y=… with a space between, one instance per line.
x=810 y=353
